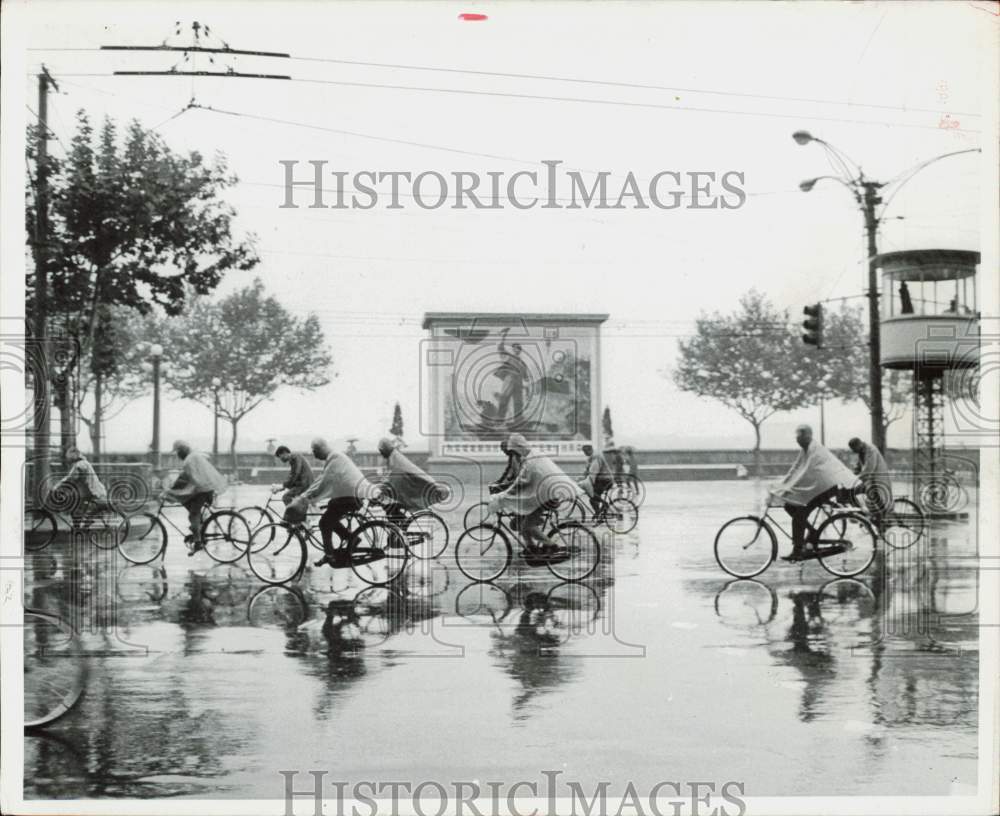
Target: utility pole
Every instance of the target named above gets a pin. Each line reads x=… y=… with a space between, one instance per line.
x=865 y=192
x=39 y=327
x=870 y=201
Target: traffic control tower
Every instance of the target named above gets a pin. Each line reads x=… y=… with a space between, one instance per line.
x=930 y=326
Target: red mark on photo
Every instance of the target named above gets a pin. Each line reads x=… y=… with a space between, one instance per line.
x=947 y=123
x=472 y=17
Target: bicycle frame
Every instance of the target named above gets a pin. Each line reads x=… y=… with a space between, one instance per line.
x=205 y=512
x=766 y=516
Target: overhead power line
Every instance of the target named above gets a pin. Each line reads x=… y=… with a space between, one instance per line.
x=557 y=78
x=545 y=98
x=196 y=49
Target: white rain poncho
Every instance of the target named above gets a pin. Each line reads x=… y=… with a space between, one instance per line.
x=82 y=475
x=815 y=471
x=198 y=475
x=539 y=482
x=409 y=485
x=339 y=479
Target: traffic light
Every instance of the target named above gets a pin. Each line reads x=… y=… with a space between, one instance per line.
x=813 y=325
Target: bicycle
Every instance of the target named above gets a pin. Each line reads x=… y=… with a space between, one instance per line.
x=55 y=668
x=618 y=514
x=426 y=533
x=568 y=509
x=628 y=487
x=377 y=551
x=904 y=515
x=844 y=542
x=225 y=535
x=98 y=516
x=484 y=552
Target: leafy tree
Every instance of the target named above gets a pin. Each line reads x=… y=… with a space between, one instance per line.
x=397 y=422
x=752 y=361
x=116 y=375
x=609 y=433
x=251 y=343
x=844 y=359
x=132 y=224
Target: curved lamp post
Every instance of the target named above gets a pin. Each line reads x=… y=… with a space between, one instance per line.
x=866 y=195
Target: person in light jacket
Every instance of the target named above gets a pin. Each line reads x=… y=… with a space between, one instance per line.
x=195 y=488
x=814 y=478
x=540 y=486
x=342 y=486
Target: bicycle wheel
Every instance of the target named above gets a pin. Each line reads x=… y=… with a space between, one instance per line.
x=575 y=511
x=482 y=600
x=846 y=544
x=41 y=530
x=746 y=604
x=103 y=530
x=256 y=517
x=425 y=578
x=378 y=552
x=745 y=546
x=55 y=669
x=374 y=608
x=477 y=515
x=141 y=538
x=904 y=524
x=277 y=607
x=620 y=516
x=483 y=553
x=276 y=553
x=226 y=536
x=582 y=549
x=426 y=534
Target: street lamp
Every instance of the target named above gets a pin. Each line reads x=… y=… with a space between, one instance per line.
x=866 y=194
x=216 y=385
x=155 y=352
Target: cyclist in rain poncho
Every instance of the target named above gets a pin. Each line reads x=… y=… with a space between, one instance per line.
x=540 y=486
x=408 y=487
x=815 y=477
x=876 y=482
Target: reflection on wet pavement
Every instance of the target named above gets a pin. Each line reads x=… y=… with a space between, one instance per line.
x=204 y=683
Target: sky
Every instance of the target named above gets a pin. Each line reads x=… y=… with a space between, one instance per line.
x=723 y=86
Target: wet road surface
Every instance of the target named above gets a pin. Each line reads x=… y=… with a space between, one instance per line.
x=204 y=683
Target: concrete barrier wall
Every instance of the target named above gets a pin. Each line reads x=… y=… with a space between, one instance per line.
x=654 y=465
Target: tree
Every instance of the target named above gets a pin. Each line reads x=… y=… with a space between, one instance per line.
x=251 y=343
x=609 y=433
x=752 y=361
x=115 y=375
x=397 y=422
x=844 y=358
x=132 y=224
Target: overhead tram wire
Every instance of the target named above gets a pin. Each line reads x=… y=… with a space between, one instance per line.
x=616 y=102
x=423 y=145
x=547 y=98
x=583 y=81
